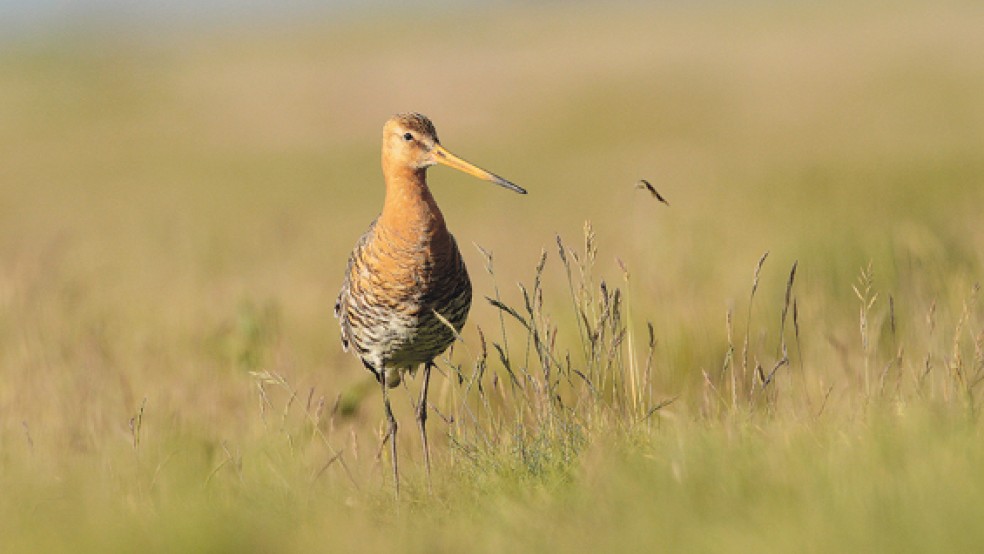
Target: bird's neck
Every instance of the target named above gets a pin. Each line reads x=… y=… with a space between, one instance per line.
x=409 y=209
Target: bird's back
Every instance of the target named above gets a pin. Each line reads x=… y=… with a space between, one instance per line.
x=397 y=289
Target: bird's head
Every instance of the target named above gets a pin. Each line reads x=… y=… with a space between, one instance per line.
x=410 y=140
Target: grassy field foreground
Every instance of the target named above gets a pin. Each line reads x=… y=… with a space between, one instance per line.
x=786 y=358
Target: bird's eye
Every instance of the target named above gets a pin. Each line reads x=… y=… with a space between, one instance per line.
x=407 y=137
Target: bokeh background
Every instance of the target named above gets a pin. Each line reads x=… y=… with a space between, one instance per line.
x=180 y=186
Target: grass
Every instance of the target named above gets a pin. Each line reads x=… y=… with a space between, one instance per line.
x=788 y=357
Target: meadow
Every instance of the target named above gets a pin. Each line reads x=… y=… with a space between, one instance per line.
x=787 y=357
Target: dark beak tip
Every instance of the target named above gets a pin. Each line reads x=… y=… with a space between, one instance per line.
x=508 y=184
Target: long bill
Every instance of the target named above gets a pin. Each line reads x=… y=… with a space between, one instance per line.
x=442 y=156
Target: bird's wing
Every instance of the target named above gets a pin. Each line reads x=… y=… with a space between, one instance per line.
x=341 y=303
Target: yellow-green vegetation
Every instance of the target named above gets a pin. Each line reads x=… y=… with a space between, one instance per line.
x=786 y=358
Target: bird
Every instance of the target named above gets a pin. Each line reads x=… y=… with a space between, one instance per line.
x=406 y=293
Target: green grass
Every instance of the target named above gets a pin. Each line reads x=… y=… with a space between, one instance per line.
x=175 y=215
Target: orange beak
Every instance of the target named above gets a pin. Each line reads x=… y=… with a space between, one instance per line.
x=442 y=156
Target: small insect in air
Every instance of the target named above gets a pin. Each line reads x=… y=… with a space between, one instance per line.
x=644 y=184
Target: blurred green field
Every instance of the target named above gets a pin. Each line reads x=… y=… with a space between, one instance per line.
x=176 y=209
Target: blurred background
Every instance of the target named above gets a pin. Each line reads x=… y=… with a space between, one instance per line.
x=181 y=182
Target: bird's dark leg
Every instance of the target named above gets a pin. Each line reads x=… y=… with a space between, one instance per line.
x=391 y=435
x=422 y=421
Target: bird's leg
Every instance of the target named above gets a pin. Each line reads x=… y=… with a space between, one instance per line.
x=391 y=435
x=422 y=421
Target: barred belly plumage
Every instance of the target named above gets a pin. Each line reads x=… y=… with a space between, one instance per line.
x=392 y=298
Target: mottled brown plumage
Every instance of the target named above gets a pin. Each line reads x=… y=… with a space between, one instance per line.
x=406 y=281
